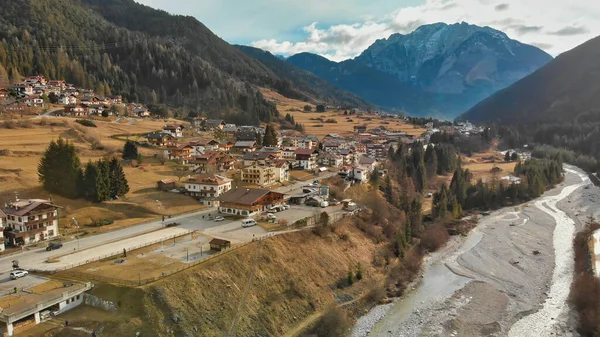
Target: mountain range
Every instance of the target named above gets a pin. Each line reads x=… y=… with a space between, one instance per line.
x=438 y=70
x=148 y=56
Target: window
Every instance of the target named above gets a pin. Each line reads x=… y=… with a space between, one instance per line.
x=78 y=296
x=51 y=232
x=68 y=300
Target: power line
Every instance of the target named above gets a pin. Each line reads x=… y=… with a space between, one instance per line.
x=247 y=290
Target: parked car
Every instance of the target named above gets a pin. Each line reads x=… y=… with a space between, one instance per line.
x=54 y=245
x=219 y=218
x=324 y=204
x=248 y=222
x=271 y=216
x=285 y=207
x=15 y=274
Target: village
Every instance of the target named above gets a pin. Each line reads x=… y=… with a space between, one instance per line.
x=239 y=183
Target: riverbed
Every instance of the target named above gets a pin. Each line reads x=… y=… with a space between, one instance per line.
x=509 y=277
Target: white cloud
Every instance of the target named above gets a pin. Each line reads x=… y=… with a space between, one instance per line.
x=555 y=26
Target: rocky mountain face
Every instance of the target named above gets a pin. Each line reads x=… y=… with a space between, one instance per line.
x=438 y=69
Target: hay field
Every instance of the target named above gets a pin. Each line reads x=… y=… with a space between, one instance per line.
x=344 y=123
x=22 y=147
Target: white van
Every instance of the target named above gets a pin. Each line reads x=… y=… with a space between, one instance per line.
x=248 y=222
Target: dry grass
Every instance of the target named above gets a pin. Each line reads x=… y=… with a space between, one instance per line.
x=342 y=125
x=24 y=147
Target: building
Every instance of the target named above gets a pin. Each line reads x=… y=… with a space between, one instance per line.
x=212 y=161
x=67 y=99
x=29 y=221
x=367 y=162
x=259 y=175
x=76 y=110
x=251 y=158
x=166 y=185
x=213 y=124
x=161 y=139
x=307 y=158
x=377 y=150
x=282 y=170
x=249 y=201
x=202 y=145
x=360 y=129
x=207 y=187
x=331 y=160
x=4 y=93
x=181 y=153
x=175 y=130
x=244 y=146
x=219 y=244
x=35 y=101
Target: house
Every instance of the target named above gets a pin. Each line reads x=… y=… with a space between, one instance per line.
x=282 y=170
x=330 y=159
x=141 y=112
x=13 y=106
x=345 y=171
x=259 y=175
x=207 y=187
x=377 y=150
x=225 y=146
x=4 y=93
x=76 y=110
x=289 y=153
x=67 y=99
x=202 y=145
x=23 y=90
x=230 y=129
x=181 y=153
x=29 y=221
x=307 y=158
x=91 y=99
x=274 y=151
x=175 y=130
x=367 y=162
x=166 y=185
x=161 y=139
x=41 y=80
x=35 y=101
x=213 y=124
x=360 y=129
x=347 y=155
x=360 y=174
x=251 y=158
x=57 y=85
x=244 y=146
x=249 y=201
x=245 y=135
x=219 y=244
x=211 y=161
x=118 y=99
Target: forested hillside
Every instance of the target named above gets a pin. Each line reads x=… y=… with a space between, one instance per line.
x=146 y=55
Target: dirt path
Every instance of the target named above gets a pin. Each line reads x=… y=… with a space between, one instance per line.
x=509 y=277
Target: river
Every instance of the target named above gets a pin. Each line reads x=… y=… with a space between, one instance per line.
x=497 y=254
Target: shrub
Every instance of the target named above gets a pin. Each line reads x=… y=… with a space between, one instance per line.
x=318 y=125
x=330 y=120
x=433 y=238
x=375 y=294
x=100 y=223
x=359 y=273
x=333 y=323
x=86 y=122
x=350 y=278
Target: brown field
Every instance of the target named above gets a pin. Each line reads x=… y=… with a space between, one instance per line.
x=21 y=150
x=343 y=125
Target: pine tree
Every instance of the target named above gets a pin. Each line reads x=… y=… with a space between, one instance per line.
x=130 y=151
x=103 y=181
x=514 y=156
x=259 y=140
x=59 y=169
x=270 y=138
x=431 y=161
x=119 y=185
x=507 y=156
x=408 y=229
x=90 y=178
x=389 y=189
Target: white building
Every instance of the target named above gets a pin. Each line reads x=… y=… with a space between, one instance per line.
x=29 y=221
x=175 y=130
x=207 y=187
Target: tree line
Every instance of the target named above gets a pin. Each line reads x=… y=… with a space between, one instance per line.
x=60 y=172
x=535 y=177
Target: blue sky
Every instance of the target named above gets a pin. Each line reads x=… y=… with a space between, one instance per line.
x=341 y=29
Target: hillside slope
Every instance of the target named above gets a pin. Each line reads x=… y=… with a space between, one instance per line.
x=309 y=84
x=438 y=70
x=565 y=90
x=147 y=55
x=295 y=276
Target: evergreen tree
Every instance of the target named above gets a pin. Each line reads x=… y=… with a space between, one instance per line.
x=514 y=156
x=130 y=151
x=408 y=229
x=270 y=138
x=59 y=169
x=507 y=156
x=90 y=182
x=389 y=190
x=119 y=185
x=259 y=140
x=431 y=161
x=103 y=182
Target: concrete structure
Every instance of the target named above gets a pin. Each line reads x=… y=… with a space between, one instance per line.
x=30 y=308
x=29 y=221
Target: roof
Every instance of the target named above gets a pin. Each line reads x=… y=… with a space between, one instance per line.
x=203 y=142
x=208 y=179
x=305 y=151
x=219 y=242
x=244 y=196
x=366 y=160
x=172 y=126
x=230 y=128
x=22 y=207
x=167 y=181
x=213 y=122
x=249 y=143
x=270 y=149
x=255 y=156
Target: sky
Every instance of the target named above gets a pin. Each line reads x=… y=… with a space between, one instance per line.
x=342 y=29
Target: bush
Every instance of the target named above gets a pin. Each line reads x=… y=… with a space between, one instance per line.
x=86 y=122
x=330 y=120
x=100 y=223
x=433 y=238
x=333 y=323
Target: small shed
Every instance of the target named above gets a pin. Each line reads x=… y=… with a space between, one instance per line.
x=166 y=184
x=219 y=244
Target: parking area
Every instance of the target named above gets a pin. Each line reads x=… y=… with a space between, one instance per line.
x=7 y=286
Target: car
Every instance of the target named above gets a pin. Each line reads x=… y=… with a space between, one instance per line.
x=54 y=245
x=285 y=207
x=248 y=223
x=271 y=216
x=219 y=218
x=15 y=274
x=324 y=204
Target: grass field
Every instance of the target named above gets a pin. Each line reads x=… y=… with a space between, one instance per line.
x=344 y=124
x=22 y=147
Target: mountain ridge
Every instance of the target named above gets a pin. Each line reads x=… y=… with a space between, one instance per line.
x=441 y=69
